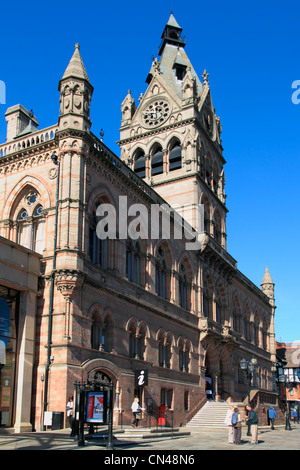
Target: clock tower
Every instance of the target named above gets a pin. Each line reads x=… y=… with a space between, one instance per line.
x=172 y=139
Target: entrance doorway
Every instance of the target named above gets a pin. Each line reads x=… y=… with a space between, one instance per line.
x=209 y=388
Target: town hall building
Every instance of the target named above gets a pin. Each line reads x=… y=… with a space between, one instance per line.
x=74 y=305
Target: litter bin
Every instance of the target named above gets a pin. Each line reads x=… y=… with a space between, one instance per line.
x=57 y=420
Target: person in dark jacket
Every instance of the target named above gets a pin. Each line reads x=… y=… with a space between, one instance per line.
x=295 y=416
x=272 y=415
x=252 y=419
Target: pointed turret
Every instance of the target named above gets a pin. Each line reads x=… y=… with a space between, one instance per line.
x=76 y=66
x=267 y=284
x=75 y=95
x=267 y=277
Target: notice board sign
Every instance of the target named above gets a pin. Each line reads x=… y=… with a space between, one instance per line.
x=48 y=418
x=96 y=407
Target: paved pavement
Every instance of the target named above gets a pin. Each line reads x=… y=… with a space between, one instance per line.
x=199 y=439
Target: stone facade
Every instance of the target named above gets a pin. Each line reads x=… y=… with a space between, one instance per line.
x=120 y=305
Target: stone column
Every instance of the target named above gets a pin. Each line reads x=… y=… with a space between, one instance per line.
x=25 y=361
x=217 y=396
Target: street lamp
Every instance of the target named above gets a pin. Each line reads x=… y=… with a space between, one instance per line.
x=248 y=367
x=274 y=371
x=284 y=379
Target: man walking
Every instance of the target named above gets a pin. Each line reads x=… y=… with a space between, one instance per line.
x=272 y=415
x=253 y=421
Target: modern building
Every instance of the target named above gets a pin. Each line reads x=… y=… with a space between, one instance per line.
x=83 y=306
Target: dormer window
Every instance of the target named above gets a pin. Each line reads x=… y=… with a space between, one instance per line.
x=180 y=71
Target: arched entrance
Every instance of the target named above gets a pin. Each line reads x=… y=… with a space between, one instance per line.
x=218 y=373
x=211 y=372
x=98 y=371
x=226 y=378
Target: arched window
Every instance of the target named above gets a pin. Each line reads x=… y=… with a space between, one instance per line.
x=207 y=298
x=98 y=248
x=256 y=330
x=206 y=216
x=141 y=344
x=248 y=335
x=217 y=228
x=218 y=312
x=98 y=336
x=157 y=162
x=136 y=342
x=207 y=170
x=206 y=305
x=168 y=352
x=161 y=352
x=140 y=164
x=184 y=355
x=175 y=157
x=265 y=335
x=161 y=275
x=132 y=342
x=164 y=350
x=184 y=288
x=30 y=222
x=133 y=263
x=215 y=181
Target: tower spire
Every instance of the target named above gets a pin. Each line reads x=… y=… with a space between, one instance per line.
x=75 y=95
x=171 y=34
x=76 y=66
x=267 y=284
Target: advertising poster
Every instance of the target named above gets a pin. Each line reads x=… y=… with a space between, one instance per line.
x=95 y=407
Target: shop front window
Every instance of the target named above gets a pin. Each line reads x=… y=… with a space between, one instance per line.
x=8 y=342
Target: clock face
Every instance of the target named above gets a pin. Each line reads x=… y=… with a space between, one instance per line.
x=156 y=113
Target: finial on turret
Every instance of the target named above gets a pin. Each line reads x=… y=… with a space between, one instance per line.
x=205 y=77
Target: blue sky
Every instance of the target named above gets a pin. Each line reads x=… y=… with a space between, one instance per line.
x=251 y=51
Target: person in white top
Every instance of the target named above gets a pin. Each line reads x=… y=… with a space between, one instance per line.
x=228 y=422
x=136 y=410
x=70 y=406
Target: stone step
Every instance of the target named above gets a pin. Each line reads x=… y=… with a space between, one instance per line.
x=211 y=414
x=143 y=433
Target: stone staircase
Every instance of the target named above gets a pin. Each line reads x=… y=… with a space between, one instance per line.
x=212 y=414
x=128 y=434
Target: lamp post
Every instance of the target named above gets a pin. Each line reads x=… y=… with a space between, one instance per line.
x=284 y=379
x=248 y=367
x=110 y=442
x=274 y=370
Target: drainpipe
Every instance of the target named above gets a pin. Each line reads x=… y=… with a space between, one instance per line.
x=56 y=162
